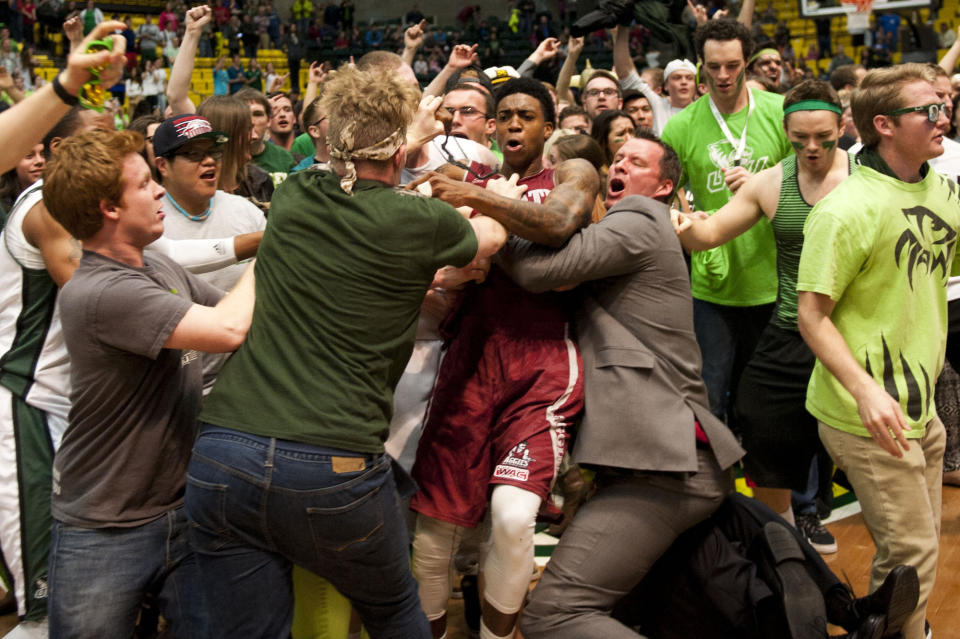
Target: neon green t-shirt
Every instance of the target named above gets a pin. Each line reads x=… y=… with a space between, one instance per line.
x=883 y=249
x=742 y=272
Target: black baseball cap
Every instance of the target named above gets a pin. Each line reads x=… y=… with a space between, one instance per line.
x=176 y=131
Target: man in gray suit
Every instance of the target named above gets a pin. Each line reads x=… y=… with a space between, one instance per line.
x=662 y=459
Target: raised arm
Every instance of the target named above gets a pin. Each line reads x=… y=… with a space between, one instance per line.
x=622 y=62
x=461 y=57
x=25 y=124
x=880 y=413
x=949 y=59
x=314 y=79
x=178 y=88
x=221 y=328
x=412 y=41
x=548 y=48
x=735 y=218
x=574 y=47
x=747 y=9
x=566 y=209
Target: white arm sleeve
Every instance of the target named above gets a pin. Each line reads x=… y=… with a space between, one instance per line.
x=197 y=256
x=661 y=112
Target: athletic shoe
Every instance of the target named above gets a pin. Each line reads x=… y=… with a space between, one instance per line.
x=927 y=630
x=802 y=601
x=817 y=536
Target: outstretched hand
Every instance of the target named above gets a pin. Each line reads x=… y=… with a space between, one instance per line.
x=507 y=187
x=110 y=63
x=425 y=125
x=548 y=48
x=462 y=56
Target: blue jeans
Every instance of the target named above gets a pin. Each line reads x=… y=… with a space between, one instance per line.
x=98 y=578
x=727 y=336
x=258 y=505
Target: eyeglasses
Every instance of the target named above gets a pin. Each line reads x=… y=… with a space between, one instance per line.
x=933 y=111
x=465 y=111
x=199 y=155
x=593 y=93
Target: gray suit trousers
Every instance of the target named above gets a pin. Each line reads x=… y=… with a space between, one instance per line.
x=613 y=541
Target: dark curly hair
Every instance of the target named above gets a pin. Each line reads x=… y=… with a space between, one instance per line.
x=723 y=29
x=534 y=89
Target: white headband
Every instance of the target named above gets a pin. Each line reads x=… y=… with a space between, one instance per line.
x=342 y=150
x=679 y=65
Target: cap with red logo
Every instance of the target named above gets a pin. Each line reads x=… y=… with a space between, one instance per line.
x=176 y=131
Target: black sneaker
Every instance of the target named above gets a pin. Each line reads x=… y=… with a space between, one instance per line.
x=817 y=536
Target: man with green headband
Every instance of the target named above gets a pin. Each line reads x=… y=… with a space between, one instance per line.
x=767 y=63
x=872 y=306
x=778 y=433
x=722 y=139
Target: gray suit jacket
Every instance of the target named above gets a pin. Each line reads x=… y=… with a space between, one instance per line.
x=642 y=380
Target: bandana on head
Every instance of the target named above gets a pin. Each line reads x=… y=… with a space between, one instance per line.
x=343 y=150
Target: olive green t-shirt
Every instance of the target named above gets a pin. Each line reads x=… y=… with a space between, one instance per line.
x=883 y=249
x=742 y=272
x=339 y=281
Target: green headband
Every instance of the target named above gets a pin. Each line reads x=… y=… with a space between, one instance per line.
x=761 y=52
x=812 y=105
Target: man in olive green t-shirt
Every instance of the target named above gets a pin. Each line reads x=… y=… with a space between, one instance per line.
x=289 y=467
x=872 y=306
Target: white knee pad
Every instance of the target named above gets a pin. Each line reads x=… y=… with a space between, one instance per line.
x=434 y=544
x=513 y=514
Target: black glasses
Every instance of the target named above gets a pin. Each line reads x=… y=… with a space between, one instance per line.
x=199 y=155
x=932 y=110
x=465 y=111
x=593 y=93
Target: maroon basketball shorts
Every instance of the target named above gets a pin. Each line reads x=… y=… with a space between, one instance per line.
x=499 y=415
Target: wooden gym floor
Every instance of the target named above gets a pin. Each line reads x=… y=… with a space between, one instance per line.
x=851 y=563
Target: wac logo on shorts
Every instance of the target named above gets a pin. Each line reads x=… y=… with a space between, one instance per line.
x=516 y=464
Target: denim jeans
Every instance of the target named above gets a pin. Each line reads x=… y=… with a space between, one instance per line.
x=98 y=578
x=258 y=505
x=727 y=336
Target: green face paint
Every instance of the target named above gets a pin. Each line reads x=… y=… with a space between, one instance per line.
x=828 y=144
x=797 y=146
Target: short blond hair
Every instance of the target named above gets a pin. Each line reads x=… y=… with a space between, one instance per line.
x=376 y=102
x=85 y=170
x=881 y=91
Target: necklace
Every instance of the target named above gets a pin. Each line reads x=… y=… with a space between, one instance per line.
x=190 y=216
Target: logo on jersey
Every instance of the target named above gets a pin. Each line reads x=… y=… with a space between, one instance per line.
x=926 y=245
x=722 y=155
x=537 y=195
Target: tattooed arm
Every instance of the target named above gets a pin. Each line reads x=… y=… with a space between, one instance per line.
x=566 y=209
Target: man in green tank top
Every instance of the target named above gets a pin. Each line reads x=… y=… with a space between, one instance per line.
x=779 y=434
x=872 y=306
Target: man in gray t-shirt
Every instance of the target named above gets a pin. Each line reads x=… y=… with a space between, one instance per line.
x=132 y=323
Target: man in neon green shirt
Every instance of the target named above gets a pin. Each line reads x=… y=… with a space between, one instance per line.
x=872 y=306
x=721 y=140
